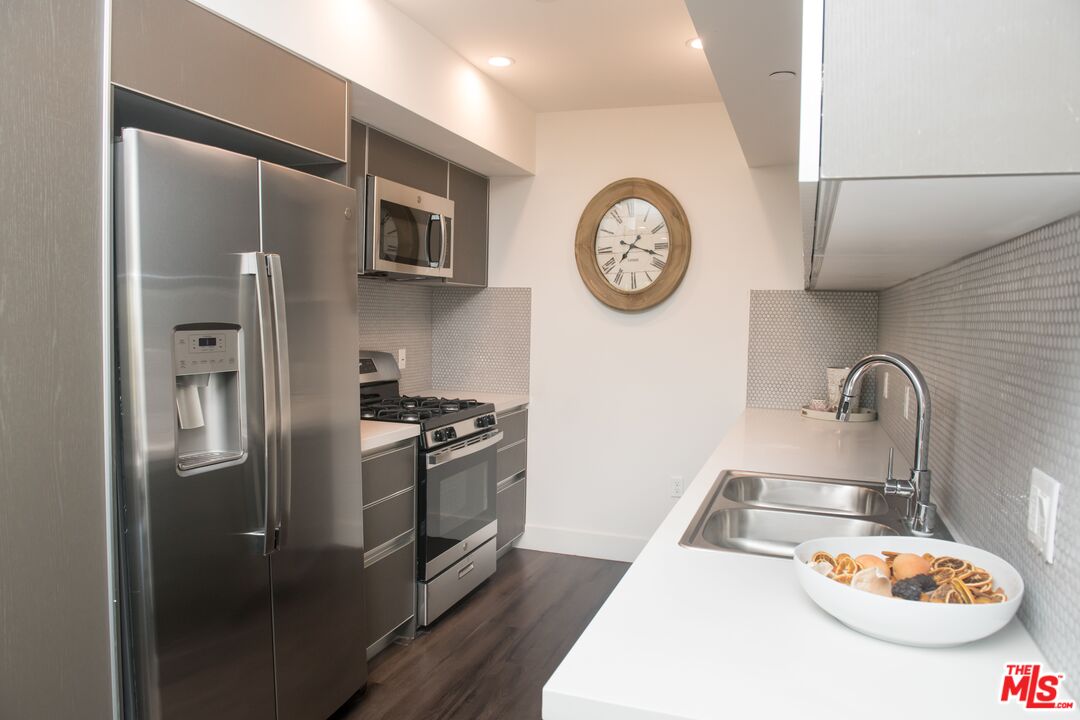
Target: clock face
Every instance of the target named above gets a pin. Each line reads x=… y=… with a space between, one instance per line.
x=631 y=245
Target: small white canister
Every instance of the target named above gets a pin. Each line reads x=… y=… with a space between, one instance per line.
x=834 y=381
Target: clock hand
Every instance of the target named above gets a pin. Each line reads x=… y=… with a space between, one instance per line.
x=634 y=246
x=630 y=247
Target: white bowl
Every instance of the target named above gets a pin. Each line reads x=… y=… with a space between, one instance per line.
x=904 y=621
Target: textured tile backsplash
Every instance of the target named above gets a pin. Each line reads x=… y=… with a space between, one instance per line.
x=454 y=338
x=795 y=335
x=480 y=339
x=397 y=315
x=997 y=336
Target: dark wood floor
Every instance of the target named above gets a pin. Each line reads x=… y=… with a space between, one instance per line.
x=489 y=657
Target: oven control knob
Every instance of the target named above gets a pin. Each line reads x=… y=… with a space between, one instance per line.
x=489 y=420
x=438 y=435
x=480 y=422
x=451 y=433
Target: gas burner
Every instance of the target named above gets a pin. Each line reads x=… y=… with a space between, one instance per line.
x=403 y=415
x=427 y=411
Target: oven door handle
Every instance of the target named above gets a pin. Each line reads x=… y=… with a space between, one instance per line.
x=464 y=449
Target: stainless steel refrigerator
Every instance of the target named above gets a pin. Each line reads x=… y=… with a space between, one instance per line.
x=239 y=408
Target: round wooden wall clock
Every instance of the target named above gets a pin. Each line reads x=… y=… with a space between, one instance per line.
x=632 y=244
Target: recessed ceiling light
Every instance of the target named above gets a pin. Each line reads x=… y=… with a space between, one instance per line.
x=695 y=43
x=500 y=61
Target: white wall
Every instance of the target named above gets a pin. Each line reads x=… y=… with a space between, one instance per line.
x=622 y=402
x=413 y=83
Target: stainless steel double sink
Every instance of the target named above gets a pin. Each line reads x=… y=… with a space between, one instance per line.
x=769 y=514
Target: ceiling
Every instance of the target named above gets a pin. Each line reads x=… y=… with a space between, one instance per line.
x=745 y=41
x=577 y=54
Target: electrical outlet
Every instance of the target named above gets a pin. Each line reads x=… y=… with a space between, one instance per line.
x=676 y=486
x=885 y=387
x=1042 y=512
x=401 y=361
x=907 y=403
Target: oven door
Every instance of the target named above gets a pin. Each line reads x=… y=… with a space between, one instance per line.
x=410 y=232
x=456 y=502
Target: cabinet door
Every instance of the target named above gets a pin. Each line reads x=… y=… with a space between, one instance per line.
x=407 y=164
x=469 y=192
x=390 y=592
x=179 y=52
x=510 y=511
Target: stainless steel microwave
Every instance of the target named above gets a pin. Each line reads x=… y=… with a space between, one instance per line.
x=408 y=233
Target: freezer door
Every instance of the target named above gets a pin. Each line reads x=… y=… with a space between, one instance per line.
x=197 y=621
x=309 y=224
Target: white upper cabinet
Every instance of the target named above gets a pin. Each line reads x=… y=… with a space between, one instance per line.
x=930 y=130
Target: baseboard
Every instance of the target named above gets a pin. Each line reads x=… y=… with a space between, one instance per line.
x=568 y=541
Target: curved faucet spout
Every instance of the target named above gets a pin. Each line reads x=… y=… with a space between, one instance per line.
x=920 y=471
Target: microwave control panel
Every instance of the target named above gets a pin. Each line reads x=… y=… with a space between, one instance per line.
x=205 y=351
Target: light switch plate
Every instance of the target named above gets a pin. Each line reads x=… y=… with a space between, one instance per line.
x=1042 y=512
x=401 y=359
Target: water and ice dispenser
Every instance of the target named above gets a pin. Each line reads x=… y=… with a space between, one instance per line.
x=209 y=396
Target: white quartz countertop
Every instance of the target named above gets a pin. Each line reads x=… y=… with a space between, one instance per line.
x=504 y=402
x=375 y=435
x=699 y=634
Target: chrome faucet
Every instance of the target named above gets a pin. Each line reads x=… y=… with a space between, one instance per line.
x=921 y=513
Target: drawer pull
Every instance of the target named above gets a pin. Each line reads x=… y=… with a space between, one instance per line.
x=466 y=570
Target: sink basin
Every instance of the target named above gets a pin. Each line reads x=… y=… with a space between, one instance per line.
x=804 y=495
x=770 y=514
x=774 y=532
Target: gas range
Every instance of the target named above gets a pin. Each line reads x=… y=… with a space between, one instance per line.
x=441 y=420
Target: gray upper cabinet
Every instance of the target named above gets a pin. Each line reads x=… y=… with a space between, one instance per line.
x=469 y=192
x=407 y=164
x=375 y=153
x=176 y=51
x=922 y=142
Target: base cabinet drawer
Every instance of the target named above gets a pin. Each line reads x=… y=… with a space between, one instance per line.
x=385 y=473
x=389 y=592
x=511 y=460
x=510 y=512
x=515 y=426
x=388 y=519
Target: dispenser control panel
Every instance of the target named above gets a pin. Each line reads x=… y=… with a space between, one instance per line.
x=205 y=351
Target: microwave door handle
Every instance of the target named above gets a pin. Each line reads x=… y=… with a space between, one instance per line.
x=284 y=397
x=255 y=264
x=428 y=239
x=446 y=236
x=465 y=449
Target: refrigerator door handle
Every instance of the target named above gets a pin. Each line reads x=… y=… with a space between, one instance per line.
x=255 y=263
x=284 y=394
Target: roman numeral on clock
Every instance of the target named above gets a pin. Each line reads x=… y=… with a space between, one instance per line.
x=657 y=229
x=606 y=267
x=660 y=246
x=604 y=250
x=657 y=263
x=606 y=231
x=619 y=277
x=615 y=214
x=633 y=281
